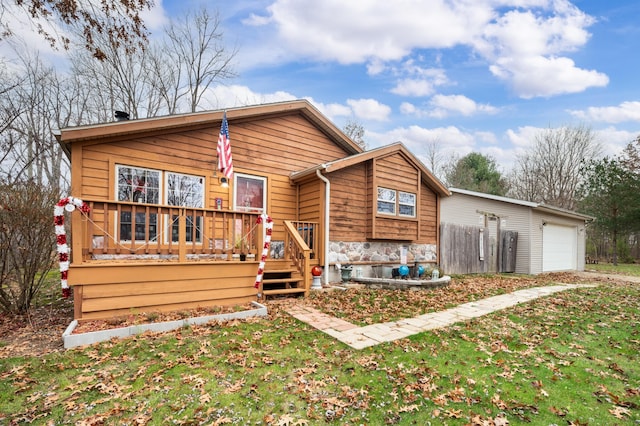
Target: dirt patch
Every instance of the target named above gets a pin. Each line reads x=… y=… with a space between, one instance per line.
x=153 y=317
x=36 y=333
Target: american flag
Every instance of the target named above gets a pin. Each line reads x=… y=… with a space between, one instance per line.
x=225 y=163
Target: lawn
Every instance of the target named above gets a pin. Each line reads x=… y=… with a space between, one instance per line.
x=571 y=358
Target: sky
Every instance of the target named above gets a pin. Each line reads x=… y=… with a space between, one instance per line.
x=462 y=75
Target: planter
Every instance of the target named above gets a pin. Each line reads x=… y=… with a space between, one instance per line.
x=71 y=340
x=243 y=257
x=346 y=273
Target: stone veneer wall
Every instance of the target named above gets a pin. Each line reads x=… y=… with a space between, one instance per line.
x=371 y=252
x=366 y=254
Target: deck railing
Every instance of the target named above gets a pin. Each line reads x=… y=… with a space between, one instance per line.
x=133 y=231
x=125 y=230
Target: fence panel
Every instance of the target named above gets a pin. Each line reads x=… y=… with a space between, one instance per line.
x=464 y=249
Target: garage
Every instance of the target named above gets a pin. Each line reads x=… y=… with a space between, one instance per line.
x=559 y=247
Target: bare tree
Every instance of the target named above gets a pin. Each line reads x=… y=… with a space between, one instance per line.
x=117 y=20
x=550 y=171
x=435 y=158
x=196 y=49
x=355 y=130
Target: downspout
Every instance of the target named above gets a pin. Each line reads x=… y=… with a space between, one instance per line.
x=327 y=194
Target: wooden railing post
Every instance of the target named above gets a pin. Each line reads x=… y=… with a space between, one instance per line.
x=182 y=236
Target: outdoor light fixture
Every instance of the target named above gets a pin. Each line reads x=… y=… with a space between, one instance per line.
x=224 y=182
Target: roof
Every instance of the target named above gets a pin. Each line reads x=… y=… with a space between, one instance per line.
x=533 y=205
x=397 y=147
x=67 y=136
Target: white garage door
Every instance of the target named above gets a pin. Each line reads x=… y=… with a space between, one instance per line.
x=559 y=247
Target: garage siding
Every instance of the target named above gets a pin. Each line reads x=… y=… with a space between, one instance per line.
x=466 y=210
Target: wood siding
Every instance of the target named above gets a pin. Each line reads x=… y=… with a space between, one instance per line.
x=354 y=192
x=122 y=288
x=349 y=190
x=270 y=148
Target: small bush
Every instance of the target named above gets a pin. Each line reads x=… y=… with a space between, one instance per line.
x=27 y=242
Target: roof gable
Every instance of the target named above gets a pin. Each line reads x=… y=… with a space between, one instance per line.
x=175 y=123
x=398 y=147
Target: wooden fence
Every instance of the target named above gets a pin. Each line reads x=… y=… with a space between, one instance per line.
x=465 y=249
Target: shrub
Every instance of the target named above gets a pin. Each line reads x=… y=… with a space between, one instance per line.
x=27 y=242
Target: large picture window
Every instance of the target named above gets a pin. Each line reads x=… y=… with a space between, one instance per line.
x=146 y=186
x=250 y=193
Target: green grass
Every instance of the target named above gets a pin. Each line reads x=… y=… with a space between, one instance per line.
x=626 y=268
x=570 y=358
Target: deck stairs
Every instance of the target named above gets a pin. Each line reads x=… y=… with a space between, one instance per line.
x=282 y=279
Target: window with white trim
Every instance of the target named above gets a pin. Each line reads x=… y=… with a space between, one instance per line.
x=396 y=203
x=250 y=193
x=406 y=204
x=386 y=201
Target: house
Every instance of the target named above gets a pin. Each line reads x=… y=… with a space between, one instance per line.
x=165 y=228
x=545 y=238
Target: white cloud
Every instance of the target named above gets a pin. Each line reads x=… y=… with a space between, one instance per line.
x=539 y=76
x=369 y=109
x=413 y=87
x=523 y=41
x=525 y=49
x=442 y=106
x=614 y=140
x=333 y=110
x=156 y=17
x=626 y=111
x=354 y=32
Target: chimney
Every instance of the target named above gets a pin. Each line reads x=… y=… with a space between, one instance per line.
x=122 y=116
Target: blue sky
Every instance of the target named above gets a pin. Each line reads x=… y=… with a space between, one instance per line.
x=468 y=75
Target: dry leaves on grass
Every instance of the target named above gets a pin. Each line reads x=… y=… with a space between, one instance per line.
x=368 y=306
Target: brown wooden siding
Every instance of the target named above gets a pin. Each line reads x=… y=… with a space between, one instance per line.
x=120 y=289
x=429 y=223
x=348 y=204
x=397 y=173
x=270 y=148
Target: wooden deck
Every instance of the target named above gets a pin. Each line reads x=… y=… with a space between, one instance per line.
x=186 y=268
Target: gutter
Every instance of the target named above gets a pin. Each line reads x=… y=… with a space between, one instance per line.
x=327 y=195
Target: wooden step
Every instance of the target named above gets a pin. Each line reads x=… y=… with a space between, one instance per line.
x=275 y=292
x=280 y=280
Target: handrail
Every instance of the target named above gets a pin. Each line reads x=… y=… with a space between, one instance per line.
x=117 y=229
x=298 y=252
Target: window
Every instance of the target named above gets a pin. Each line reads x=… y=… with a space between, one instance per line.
x=390 y=201
x=140 y=186
x=186 y=191
x=386 y=201
x=406 y=204
x=250 y=194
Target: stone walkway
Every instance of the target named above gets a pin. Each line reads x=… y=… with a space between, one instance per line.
x=370 y=335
